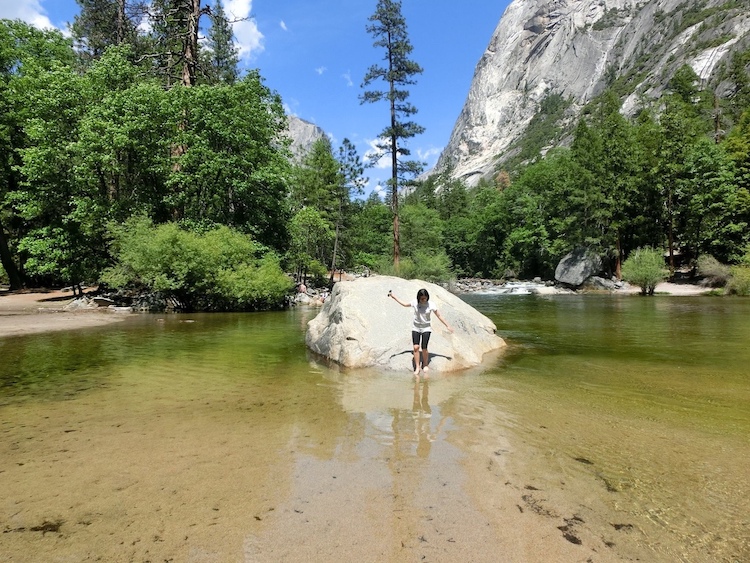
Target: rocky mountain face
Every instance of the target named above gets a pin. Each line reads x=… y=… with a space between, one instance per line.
x=551 y=57
x=303 y=135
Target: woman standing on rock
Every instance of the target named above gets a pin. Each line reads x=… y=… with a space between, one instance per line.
x=421 y=327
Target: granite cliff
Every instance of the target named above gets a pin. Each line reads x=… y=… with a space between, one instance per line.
x=303 y=135
x=549 y=58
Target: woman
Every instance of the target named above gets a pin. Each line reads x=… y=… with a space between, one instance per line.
x=421 y=328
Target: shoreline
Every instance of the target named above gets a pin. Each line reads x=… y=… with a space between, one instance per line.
x=37 y=311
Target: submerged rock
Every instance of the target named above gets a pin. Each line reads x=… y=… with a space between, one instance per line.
x=360 y=326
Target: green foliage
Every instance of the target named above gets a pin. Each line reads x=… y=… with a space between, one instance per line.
x=223 y=57
x=231 y=168
x=739 y=282
x=645 y=268
x=388 y=28
x=543 y=130
x=713 y=272
x=421 y=230
x=432 y=267
x=311 y=236
x=369 y=234
x=217 y=270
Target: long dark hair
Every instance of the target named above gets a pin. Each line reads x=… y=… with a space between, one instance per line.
x=423 y=293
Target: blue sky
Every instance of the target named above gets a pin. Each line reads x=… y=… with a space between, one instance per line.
x=315 y=54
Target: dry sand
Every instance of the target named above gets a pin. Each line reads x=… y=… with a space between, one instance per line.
x=29 y=312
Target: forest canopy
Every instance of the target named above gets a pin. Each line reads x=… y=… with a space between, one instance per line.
x=117 y=129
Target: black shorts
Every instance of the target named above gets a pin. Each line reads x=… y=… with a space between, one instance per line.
x=420 y=338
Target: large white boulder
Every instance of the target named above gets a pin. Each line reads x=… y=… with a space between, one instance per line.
x=360 y=326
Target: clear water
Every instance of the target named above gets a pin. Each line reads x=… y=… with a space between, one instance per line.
x=622 y=422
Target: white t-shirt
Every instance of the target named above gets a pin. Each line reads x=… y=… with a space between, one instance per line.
x=422 y=315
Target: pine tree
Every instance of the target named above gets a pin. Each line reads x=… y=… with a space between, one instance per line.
x=175 y=29
x=388 y=28
x=223 y=58
x=101 y=23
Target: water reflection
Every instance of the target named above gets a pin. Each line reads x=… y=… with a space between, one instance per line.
x=629 y=414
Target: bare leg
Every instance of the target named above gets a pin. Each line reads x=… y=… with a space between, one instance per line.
x=416 y=360
x=425 y=361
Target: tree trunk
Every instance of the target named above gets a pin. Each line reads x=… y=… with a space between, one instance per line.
x=394 y=162
x=190 y=44
x=14 y=275
x=120 y=22
x=618 y=262
x=336 y=245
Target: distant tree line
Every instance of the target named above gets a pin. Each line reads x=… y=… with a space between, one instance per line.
x=672 y=181
x=145 y=159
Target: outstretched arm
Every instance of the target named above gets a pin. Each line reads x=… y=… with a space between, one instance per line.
x=397 y=300
x=442 y=320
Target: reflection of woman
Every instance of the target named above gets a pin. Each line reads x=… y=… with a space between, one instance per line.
x=421 y=327
x=422 y=414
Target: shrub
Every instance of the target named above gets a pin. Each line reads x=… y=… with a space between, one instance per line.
x=645 y=268
x=713 y=272
x=433 y=267
x=739 y=282
x=218 y=269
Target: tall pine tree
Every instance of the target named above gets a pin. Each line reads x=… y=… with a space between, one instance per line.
x=388 y=28
x=223 y=52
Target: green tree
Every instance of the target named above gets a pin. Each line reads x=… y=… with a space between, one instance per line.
x=232 y=168
x=24 y=50
x=174 y=38
x=710 y=217
x=352 y=182
x=103 y=23
x=223 y=57
x=388 y=28
x=218 y=269
x=645 y=268
x=311 y=236
x=679 y=131
x=369 y=232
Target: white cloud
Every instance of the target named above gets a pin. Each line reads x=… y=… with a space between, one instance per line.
x=320 y=70
x=385 y=159
x=249 y=38
x=283 y=25
x=426 y=155
x=30 y=11
x=348 y=77
x=381 y=190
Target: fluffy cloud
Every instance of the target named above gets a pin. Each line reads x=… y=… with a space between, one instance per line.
x=385 y=159
x=248 y=36
x=30 y=11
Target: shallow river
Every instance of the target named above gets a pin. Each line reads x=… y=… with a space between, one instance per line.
x=613 y=428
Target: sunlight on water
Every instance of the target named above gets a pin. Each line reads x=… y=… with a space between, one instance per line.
x=185 y=436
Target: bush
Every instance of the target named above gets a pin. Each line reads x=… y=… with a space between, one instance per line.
x=433 y=267
x=739 y=282
x=713 y=272
x=219 y=269
x=645 y=268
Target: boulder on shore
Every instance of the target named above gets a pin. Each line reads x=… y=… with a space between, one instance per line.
x=360 y=326
x=577 y=266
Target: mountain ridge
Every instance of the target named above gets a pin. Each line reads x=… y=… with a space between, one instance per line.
x=562 y=54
